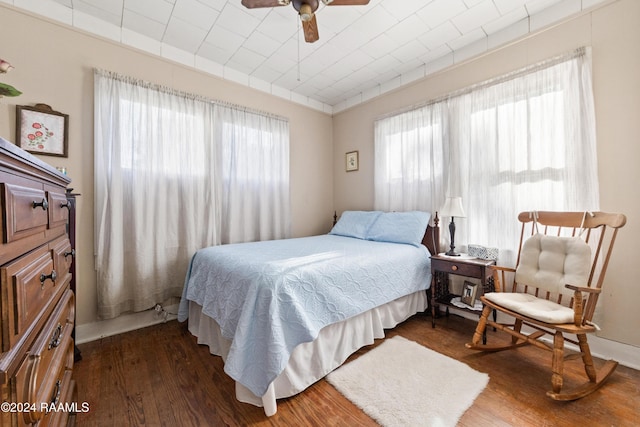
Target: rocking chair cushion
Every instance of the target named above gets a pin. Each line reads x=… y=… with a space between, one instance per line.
x=549 y=262
x=533 y=307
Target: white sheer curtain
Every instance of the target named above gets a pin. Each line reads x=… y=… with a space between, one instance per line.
x=410 y=156
x=255 y=169
x=524 y=141
x=161 y=187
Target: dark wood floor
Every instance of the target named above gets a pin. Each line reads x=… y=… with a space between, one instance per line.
x=159 y=376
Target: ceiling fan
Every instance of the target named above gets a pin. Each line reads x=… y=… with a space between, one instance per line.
x=306 y=9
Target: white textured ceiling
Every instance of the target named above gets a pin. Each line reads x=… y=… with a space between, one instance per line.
x=363 y=51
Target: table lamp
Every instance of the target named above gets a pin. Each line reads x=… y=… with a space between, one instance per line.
x=453 y=208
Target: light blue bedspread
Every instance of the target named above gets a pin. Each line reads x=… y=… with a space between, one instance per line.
x=270 y=296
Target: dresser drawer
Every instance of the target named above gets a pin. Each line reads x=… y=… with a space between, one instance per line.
x=68 y=395
x=42 y=378
x=62 y=257
x=58 y=209
x=26 y=212
x=29 y=284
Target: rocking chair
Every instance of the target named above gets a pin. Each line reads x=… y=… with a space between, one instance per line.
x=563 y=257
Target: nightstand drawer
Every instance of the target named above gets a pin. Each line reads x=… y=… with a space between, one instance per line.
x=465 y=270
x=453 y=267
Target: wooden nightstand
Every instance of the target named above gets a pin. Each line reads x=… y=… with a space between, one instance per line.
x=442 y=266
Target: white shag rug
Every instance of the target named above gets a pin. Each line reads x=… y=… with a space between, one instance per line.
x=401 y=383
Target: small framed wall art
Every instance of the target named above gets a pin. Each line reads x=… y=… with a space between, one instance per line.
x=41 y=130
x=351 y=159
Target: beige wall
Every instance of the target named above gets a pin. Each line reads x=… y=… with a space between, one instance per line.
x=54 y=65
x=614 y=34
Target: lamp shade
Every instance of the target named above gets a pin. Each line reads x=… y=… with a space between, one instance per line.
x=453 y=207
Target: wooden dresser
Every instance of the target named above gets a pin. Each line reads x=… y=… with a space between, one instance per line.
x=37 y=304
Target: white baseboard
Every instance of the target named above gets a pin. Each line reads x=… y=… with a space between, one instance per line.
x=125 y=323
x=602 y=348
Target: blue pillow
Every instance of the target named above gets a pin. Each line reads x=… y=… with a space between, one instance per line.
x=355 y=223
x=400 y=227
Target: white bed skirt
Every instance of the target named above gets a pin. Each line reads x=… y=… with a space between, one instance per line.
x=311 y=361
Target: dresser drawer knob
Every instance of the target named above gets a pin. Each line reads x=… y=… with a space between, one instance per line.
x=55 y=338
x=66 y=205
x=44 y=204
x=454 y=267
x=51 y=276
x=71 y=253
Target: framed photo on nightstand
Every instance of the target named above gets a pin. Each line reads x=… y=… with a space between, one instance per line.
x=469 y=293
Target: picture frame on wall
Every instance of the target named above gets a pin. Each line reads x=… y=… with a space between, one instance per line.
x=469 y=293
x=41 y=130
x=351 y=159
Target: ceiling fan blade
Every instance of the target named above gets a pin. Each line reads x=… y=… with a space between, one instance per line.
x=345 y=2
x=252 y=4
x=310 y=28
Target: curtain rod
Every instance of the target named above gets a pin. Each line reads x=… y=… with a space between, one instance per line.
x=576 y=53
x=171 y=91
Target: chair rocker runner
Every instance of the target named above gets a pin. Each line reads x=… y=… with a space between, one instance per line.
x=559 y=274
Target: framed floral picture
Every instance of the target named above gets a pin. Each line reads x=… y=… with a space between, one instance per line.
x=41 y=130
x=351 y=159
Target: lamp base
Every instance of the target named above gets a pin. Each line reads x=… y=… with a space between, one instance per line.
x=452 y=246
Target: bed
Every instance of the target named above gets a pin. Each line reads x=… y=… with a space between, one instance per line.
x=284 y=313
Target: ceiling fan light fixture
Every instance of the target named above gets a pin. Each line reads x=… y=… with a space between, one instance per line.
x=306 y=10
x=306 y=13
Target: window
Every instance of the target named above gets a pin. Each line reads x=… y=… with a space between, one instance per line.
x=521 y=142
x=147 y=122
x=175 y=173
x=409 y=160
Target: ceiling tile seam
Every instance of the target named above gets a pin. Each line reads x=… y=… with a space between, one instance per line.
x=121 y=14
x=245 y=80
x=204 y=40
x=296 y=35
x=348 y=103
x=164 y=33
x=164 y=53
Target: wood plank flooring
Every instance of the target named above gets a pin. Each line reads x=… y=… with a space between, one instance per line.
x=159 y=376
